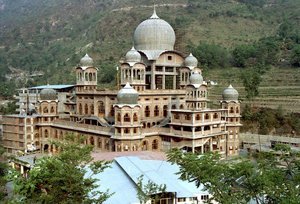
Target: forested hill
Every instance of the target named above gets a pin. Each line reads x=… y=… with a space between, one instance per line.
x=42 y=40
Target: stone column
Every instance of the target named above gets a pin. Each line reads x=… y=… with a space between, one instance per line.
x=164 y=78
x=153 y=85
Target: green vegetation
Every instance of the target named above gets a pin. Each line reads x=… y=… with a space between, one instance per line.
x=268 y=121
x=262 y=178
x=222 y=34
x=9 y=108
x=62 y=178
x=148 y=191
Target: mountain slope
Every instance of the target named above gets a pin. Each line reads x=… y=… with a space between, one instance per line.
x=50 y=37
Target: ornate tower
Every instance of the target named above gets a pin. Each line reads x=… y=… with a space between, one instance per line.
x=48 y=110
x=133 y=70
x=86 y=75
x=127 y=120
x=232 y=116
x=196 y=91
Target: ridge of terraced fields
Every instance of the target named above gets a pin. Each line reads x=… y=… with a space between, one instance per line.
x=279 y=87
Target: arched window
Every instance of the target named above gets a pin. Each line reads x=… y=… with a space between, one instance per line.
x=86 y=77
x=92 y=109
x=138 y=74
x=80 y=77
x=176 y=116
x=126 y=118
x=45 y=110
x=90 y=77
x=147 y=111
x=188 y=116
x=173 y=106
x=181 y=106
x=206 y=116
x=231 y=110
x=94 y=77
x=198 y=117
x=155 y=144
x=145 y=145
x=80 y=109
x=135 y=117
x=126 y=130
x=156 y=111
x=119 y=117
x=165 y=108
x=52 y=109
x=134 y=74
x=46 y=133
x=112 y=110
x=99 y=143
x=86 y=109
x=134 y=130
x=101 y=108
x=216 y=115
x=237 y=110
x=91 y=140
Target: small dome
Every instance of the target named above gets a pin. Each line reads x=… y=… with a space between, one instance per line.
x=87 y=61
x=133 y=56
x=230 y=94
x=154 y=34
x=48 y=94
x=196 y=78
x=128 y=95
x=191 y=61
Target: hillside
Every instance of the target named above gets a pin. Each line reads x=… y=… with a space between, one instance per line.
x=43 y=40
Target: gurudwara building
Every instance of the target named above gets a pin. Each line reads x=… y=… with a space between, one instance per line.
x=161 y=104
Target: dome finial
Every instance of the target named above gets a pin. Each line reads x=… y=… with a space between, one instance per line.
x=154 y=15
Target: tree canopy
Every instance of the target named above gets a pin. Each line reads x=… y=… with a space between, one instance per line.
x=62 y=178
x=263 y=178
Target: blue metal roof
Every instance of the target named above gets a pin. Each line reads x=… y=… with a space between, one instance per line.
x=121 y=179
x=59 y=86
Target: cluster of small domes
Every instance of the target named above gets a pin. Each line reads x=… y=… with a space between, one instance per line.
x=127 y=95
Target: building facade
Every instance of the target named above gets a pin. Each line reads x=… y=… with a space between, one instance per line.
x=162 y=103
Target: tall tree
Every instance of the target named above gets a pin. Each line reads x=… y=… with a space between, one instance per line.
x=264 y=178
x=62 y=178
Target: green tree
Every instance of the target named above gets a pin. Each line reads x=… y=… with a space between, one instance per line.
x=62 y=178
x=148 y=191
x=263 y=178
x=243 y=55
x=211 y=55
x=295 y=56
x=251 y=81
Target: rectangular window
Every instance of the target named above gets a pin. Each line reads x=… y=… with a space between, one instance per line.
x=169 y=57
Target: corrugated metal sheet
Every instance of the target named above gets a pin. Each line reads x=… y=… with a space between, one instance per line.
x=121 y=179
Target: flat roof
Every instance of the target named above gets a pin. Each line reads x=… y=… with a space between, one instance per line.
x=59 y=86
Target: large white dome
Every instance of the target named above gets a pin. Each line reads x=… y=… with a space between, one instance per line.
x=154 y=34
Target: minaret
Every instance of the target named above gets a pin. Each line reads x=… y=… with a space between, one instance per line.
x=127 y=120
x=86 y=75
x=133 y=70
x=232 y=116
